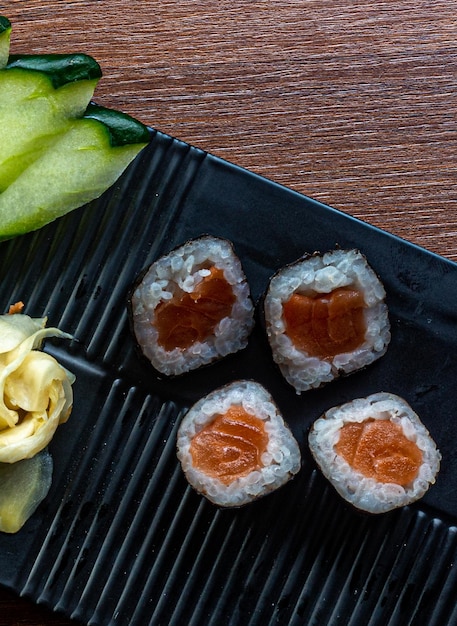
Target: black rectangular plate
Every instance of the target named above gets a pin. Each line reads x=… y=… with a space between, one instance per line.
x=121 y=538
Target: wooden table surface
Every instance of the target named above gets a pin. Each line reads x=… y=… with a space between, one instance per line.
x=352 y=103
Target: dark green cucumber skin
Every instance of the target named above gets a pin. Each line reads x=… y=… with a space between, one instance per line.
x=5 y=24
x=122 y=128
x=60 y=68
x=65 y=68
x=114 y=138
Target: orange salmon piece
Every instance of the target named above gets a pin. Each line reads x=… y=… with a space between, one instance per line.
x=191 y=317
x=378 y=449
x=327 y=324
x=231 y=446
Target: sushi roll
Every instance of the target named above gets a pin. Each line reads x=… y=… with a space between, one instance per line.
x=325 y=316
x=234 y=446
x=192 y=306
x=376 y=452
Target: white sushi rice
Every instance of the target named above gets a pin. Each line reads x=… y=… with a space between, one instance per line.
x=180 y=271
x=365 y=493
x=281 y=459
x=321 y=274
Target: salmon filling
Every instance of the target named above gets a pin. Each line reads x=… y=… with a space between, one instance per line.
x=327 y=324
x=231 y=446
x=378 y=449
x=192 y=317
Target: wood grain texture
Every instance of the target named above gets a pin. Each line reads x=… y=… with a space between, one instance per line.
x=352 y=103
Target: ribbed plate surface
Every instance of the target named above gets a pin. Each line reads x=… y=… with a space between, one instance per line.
x=122 y=539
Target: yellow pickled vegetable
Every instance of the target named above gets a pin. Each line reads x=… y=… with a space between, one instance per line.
x=35 y=390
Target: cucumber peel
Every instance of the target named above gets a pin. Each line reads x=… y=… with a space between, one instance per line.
x=5 y=36
x=122 y=128
x=78 y=168
x=60 y=68
x=59 y=150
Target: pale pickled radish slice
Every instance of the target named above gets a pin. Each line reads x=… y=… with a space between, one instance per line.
x=24 y=485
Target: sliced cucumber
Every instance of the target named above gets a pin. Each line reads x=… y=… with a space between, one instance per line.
x=35 y=114
x=5 y=24
x=76 y=169
x=69 y=82
x=57 y=151
x=122 y=128
x=61 y=69
x=24 y=485
x=5 y=36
